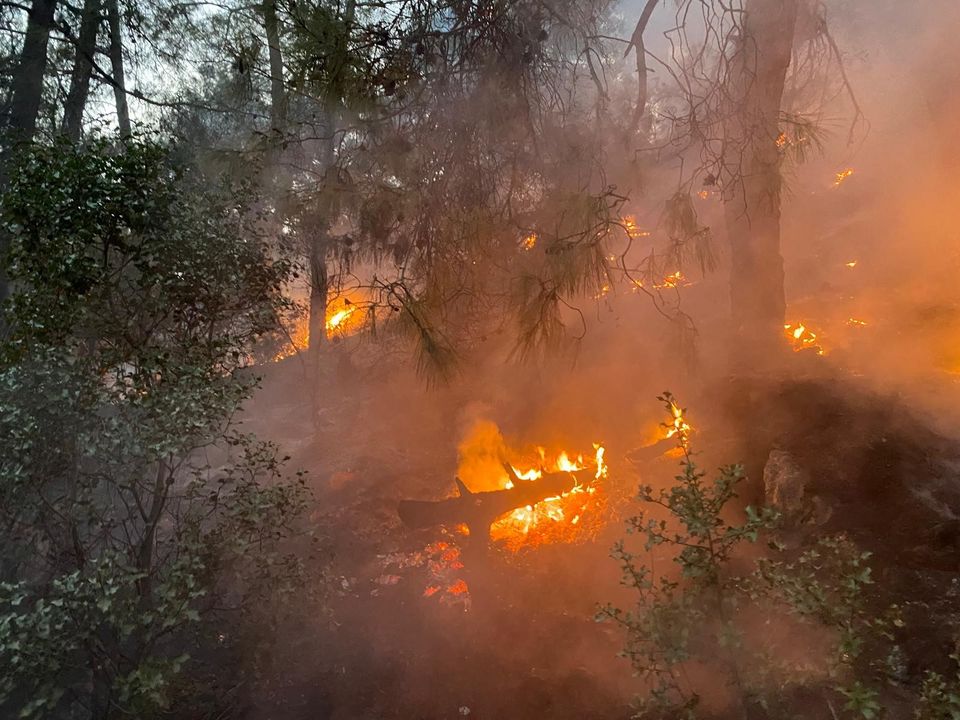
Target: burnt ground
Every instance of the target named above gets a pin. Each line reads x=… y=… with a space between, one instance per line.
x=524 y=644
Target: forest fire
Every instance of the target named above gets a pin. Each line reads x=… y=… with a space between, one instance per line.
x=343 y=318
x=802 y=338
x=513 y=503
x=561 y=518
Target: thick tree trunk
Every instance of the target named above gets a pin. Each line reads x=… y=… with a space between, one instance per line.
x=82 y=70
x=319 y=290
x=478 y=510
x=116 y=64
x=752 y=180
x=25 y=103
x=278 y=96
x=28 y=80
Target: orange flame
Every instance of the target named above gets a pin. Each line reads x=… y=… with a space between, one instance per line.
x=673 y=280
x=573 y=516
x=802 y=337
x=633 y=230
x=555 y=519
x=841 y=176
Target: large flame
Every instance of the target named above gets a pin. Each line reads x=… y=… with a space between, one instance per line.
x=343 y=317
x=569 y=517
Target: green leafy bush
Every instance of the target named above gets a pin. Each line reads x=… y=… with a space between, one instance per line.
x=142 y=531
x=702 y=614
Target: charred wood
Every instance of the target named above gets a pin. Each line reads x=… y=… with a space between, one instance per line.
x=478 y=510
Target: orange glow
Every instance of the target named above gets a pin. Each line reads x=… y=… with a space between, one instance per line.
x=678 y=427
x=458 y=588
x=298 y=339
x=841 y=176
x=555 y=519
x=630 y=225
x=673 y=280
x=343 y=318
x=851 y=264
x=529 y=242
x=483 y=454
x=801 y=337
x=856 y=323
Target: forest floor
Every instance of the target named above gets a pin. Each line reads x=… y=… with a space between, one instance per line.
x=523 y=643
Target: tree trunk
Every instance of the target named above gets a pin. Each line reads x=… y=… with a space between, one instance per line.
x=82 y=70
x=752 y=180
x=116 y=63
x=28 y=80
x=319 y=289
x=25 y=103
x=278 y=97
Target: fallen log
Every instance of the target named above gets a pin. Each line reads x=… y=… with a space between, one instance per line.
x=478 y=510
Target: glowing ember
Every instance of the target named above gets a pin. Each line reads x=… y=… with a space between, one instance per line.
x=630 y=225
x=458 y=588
x=442 y=560
x=851 y=264
x=673 y=280
x=529 y=242
x=703 y=194
x=802 y=338
x=856 y=323
x=841 y=176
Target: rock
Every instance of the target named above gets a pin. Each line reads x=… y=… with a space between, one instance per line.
x=785 y=484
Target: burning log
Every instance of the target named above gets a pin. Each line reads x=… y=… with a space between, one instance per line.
x=478 y=510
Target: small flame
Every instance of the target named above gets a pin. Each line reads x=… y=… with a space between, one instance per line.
x=802 y=337
x=856 y=323
x=678 y=427
x=673 y=280
x=841 y=176
x=529 y=241
x=851 y=264
x=630 y=224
